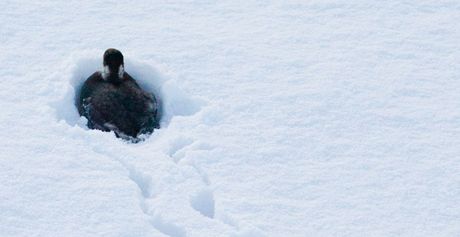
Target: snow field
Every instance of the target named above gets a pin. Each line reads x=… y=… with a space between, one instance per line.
x=292 y=118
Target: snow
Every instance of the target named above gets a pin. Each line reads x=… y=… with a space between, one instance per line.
x=280 y=118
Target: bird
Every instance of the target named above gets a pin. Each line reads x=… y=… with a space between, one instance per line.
x=111 y=100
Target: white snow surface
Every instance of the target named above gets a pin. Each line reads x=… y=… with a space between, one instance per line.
x=280 y=118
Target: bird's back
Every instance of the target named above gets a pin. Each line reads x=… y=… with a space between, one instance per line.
x=121 y=107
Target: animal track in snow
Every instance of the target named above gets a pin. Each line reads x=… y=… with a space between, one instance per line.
x=143 y=181
x=203 y=175
x=174 y=102
x=203 y=202
x=176 y=151
x=167 y=228
x=145 y=185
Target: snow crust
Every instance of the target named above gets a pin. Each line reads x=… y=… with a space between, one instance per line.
x=279 y=118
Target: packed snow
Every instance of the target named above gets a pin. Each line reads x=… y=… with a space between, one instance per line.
x=279 y=118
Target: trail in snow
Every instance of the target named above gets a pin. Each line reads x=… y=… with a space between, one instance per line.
x=173 y=102
x=293 y=118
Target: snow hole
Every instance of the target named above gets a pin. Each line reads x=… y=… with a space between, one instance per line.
x=173 y=101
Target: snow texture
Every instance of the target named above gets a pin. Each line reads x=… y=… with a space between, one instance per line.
x=279 y=118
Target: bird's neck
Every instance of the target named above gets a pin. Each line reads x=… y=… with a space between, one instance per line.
x=114 y=76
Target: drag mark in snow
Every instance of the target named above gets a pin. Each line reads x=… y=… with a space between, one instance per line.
x=173 y=102
x=145 y=185
x=144 y=182
x=203 y=200
x=178 y=149
x=203 y=175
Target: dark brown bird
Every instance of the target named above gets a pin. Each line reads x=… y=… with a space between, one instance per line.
x=112 y=101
